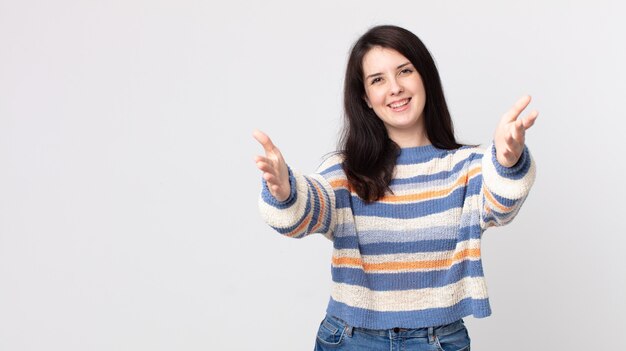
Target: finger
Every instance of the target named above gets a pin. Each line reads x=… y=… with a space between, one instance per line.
x=529 y=120
x=519 y=131
x=266 y=167
x=517 y=108
x=265 y=140
x=518 y=138
x=271 y=179
x=268 y=177
x=263 y=163
x=259 y=158
x=275 y=160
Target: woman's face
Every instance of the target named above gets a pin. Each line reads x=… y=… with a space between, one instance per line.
x=394 y=90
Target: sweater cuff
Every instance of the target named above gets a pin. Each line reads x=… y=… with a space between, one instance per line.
x=516 y=171
x=267 y=196
x=509 y=182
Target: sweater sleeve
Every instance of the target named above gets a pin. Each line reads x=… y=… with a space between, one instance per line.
x=504 y=189
x=310 y=208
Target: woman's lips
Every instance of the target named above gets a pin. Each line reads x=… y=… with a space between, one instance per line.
x=400 y=105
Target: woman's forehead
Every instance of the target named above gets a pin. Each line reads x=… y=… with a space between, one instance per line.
x=379 y=59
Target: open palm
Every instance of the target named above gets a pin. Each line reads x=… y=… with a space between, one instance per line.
x=510 y=133
x=273 y=166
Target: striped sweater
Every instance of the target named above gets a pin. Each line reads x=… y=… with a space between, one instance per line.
x=411 y=259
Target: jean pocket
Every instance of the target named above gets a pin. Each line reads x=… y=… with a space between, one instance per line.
x=331 y=332
x=457 y=341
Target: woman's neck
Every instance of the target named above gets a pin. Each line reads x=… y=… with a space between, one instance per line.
x=411 y=139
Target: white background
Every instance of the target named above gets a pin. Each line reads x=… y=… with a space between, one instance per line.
x=128 y=191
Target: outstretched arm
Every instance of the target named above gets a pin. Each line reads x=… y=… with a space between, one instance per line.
x=508 y=169
x=293 y=204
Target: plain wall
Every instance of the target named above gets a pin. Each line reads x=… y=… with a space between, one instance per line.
x=128 y=190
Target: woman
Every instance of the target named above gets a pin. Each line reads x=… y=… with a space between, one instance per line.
x=404 y=204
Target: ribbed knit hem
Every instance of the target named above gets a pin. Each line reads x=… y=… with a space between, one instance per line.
x=358 y=317
x=267 y=196
x=516 y=171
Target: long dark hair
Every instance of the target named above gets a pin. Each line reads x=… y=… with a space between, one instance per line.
x=369 y=154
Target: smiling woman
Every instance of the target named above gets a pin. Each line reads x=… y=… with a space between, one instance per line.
x=404 y=204
x=396 y=94
x=378 y=75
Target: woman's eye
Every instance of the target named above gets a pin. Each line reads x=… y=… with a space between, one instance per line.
x=376 y=80
x=406 y=71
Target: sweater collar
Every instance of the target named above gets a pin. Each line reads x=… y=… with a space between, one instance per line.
x=416 y=154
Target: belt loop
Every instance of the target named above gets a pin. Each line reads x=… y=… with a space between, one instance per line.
x=431 y=335
x=349 y=330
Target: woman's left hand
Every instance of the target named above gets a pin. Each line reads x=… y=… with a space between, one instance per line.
x=509 y=135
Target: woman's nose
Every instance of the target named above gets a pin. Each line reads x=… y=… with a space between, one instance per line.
x=395 y=87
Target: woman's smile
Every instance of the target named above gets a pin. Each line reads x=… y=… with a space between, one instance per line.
x=394 y=90
x=400 y=105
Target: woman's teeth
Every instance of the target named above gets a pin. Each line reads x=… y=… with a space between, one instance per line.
x=399 y=103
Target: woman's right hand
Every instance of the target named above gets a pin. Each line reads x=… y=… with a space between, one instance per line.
x=273 y=166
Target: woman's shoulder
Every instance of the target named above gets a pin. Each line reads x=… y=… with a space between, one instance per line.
x=331 y=163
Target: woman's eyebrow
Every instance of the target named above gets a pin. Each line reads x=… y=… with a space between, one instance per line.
x=379 y=74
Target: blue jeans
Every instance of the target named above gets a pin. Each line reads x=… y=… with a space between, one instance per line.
x=335 y=334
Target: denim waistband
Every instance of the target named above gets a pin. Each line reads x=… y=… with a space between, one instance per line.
x=403 y=332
